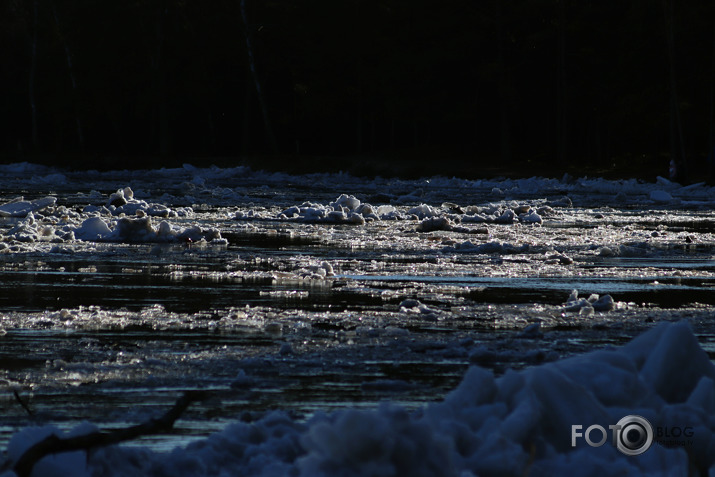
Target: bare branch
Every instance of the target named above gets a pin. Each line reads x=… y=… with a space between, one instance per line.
x=53 y=444
x=24 y=405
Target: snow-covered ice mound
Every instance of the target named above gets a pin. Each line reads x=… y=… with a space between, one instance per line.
x=517 y=424
x=141 y=229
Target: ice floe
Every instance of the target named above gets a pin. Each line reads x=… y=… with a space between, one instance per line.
x=142 y=230
x=588 y=305
x=21 y=208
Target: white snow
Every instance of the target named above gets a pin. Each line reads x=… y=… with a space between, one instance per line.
x=516 y=424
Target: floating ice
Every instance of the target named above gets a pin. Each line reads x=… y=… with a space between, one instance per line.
x=346 y=209
x=559 y=258
x=123 y=202
x=588 y=306
x=487 y=248
x=142 y=230
x=422 y=211
x=20 y=207
x=94 y=228
x=660 y=196
x=532 y=217
x=434 y=223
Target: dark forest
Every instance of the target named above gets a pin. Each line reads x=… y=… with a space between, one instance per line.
x=457 y=86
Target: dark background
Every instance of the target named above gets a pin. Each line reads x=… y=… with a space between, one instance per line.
x=409 y=87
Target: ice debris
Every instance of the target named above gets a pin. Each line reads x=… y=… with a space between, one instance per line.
x=410 y=305
x=486 y=248
x=317 y=271
x=123 y=202
x=21 y=208
x=142 y=230
x=588 y=306
x=41 y=220
x=660 y=196
x=344 y=210
x=347 y=209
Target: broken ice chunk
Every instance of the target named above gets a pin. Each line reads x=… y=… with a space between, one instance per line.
x=21 y=208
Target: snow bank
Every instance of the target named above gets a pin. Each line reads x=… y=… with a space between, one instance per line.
x=516 y=424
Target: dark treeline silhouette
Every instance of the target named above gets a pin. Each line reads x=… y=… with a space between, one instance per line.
x=599 y=84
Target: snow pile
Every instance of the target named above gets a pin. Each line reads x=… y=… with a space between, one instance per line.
x=516 y=424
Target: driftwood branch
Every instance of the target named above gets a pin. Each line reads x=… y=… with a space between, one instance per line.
x=54 y=445
x=24 y=405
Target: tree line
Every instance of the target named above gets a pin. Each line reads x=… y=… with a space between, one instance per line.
x=551 y=82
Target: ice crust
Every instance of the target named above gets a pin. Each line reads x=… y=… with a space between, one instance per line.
x=516 y=424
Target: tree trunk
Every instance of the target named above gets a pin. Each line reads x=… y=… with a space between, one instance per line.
x=711 y=136
x=70 y=70
x=504 y=84
x=677 y=144
x=256 y=83
x=33 y=70
x=160 y=82
x=246 y=128
x=562 y=97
